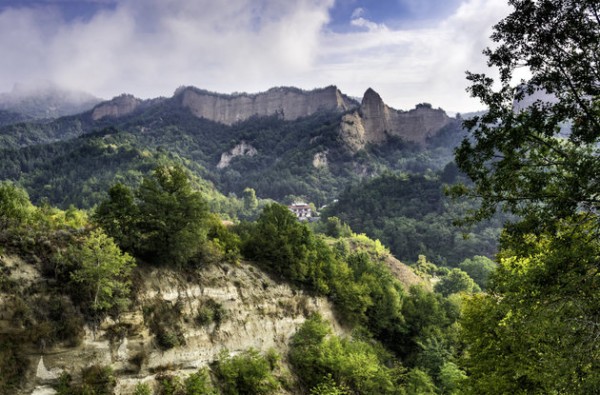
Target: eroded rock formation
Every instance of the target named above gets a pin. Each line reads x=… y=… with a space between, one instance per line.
x=288 y=103
x=117 y=107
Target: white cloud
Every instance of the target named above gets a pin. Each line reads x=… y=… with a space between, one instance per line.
x=369 y=25
x=149 y=47
x=358 y=12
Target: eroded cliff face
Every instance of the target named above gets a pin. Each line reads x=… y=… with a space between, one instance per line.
x=288 y=103
x=117 y=107
x=256 y=312
x=242 y=149
x=380 y=121
x=371 y=121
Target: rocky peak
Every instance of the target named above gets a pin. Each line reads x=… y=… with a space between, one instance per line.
x=376 y=122
x=371 y=98
x=117 y=107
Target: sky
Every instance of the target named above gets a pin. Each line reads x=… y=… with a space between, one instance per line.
x=409 y=51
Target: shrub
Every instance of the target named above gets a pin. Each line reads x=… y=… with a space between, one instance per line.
x=199 y=383
x=247 y=373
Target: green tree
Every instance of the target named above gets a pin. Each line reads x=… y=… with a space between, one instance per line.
x=532 y=332
x=456 y=281
x=118 y=216
x=199 y=383
x=451 y=378
x=522 y=158
x=535 y=330
x=15 y=206
x=102 y=272
x=479 y=269
x=171 y=216
x=356 y=365
x=418 y=382
x=281 y=243
x=250 y=200
x=328 y=386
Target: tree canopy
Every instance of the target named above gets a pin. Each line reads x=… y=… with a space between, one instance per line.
x=535 y=153
x=164 y=220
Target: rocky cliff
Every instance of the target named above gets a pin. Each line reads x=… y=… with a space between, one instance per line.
x=288 y=103
x=374 y=122
x=117 y=107
x=255 y=311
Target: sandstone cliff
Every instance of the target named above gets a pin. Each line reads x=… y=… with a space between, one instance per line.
x=256 y=312
x=117 y=107
x=375 y=122
x=288 y=103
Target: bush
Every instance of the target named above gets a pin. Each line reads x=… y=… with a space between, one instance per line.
x=247 y=373
x=164 y=321
x=142 y=389
x=99 y=380
x=199 y=383
x=359 y=365
x=209 y=312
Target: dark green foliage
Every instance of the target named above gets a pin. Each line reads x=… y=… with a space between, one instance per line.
x=245 y=374
x=211 y=312
x=479 y=269
x=431 y=334
x=542 y=161
x=532 y=333
x=118 y=216
x=169 y=384
x=411 y=216
x=13 y=364
x=282 y=244
x=95 y=380
x=171 y=217
x=418 y=382
x=199 y=383
x=164 y=222
x=456 y=281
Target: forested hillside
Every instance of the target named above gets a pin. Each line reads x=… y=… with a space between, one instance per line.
x=410 y=214
x=282 y=158
x=143 y=249
x=86 y=272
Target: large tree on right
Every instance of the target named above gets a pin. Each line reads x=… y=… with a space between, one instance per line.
x=535 y=153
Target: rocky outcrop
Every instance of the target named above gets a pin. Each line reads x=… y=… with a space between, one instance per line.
x=256 y=312
x=375 y=122
x=352 y=131
x=242 y=149
x=288 y=103
x=320 y=160
x=117 y=107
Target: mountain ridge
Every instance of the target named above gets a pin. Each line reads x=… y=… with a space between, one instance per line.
x=370 y=121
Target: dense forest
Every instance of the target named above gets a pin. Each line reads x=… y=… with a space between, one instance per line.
x=164 y=222
x=143 y=194
x=411 y=215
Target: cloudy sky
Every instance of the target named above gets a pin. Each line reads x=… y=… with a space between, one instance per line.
x=410 y=51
